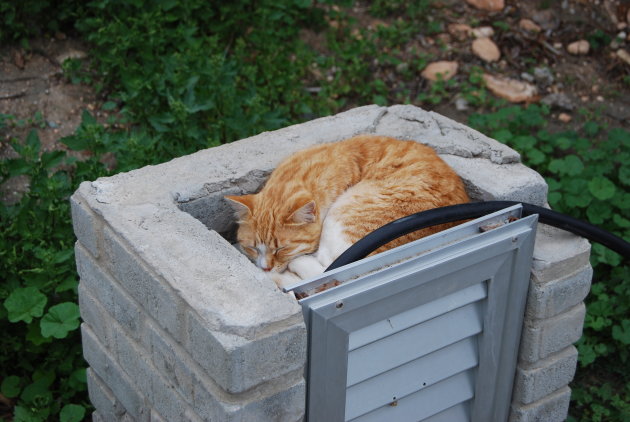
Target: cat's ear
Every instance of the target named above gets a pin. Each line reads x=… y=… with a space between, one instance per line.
x=306 y=213
x=242 y=205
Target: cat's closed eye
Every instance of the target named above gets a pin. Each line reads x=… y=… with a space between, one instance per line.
x=251 y=249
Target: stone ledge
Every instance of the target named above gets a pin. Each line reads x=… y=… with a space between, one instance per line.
x=534 y=382
x=552 y=408
x=558 y=253
x=542 y=338
x=546 y=300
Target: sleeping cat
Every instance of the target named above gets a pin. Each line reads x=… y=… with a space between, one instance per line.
x=323 y=199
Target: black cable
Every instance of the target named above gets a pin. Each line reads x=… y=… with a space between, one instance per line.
x=453 y=213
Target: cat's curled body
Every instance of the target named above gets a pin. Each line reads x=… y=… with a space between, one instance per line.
x=323 y=199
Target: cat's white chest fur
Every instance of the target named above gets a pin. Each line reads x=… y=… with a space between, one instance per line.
x=332 y=244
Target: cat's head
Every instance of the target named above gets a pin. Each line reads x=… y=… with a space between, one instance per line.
x=272 y=232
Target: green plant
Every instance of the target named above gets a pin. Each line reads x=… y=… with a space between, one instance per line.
x=42 y=365
x=588 y=174
x=22 y=19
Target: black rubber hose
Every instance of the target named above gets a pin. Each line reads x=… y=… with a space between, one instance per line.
x=453 y=213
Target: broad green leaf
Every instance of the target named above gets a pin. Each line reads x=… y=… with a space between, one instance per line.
x=24 y=414
x=624 y=174
x=621 y=221
x=557 y=166
x=76 y=142
x=536 y=156
x=621 y=332
x=32 y=140
x=34 y=335
x=72 y=413
x=18 y=166
x=52 y=159
x=598 y=212
x=24 y=304
x=60 y=320
x=524 y=143
x=602 y=188
x=591 y=128
x=109 y=105
x=573 y=165
x=11 y=386
x=37 y=392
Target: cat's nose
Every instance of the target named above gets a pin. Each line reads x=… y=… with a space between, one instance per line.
x=266 y=268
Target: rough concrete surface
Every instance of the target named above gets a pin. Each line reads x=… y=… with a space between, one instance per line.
x=179 y=325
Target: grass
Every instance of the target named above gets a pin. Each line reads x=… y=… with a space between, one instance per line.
x=181 y=76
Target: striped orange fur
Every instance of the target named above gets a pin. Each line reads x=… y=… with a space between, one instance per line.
x=362 y=183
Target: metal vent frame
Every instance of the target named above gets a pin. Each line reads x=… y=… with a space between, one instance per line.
x=494 y=251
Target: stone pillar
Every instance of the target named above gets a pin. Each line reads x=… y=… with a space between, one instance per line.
x=179 y=326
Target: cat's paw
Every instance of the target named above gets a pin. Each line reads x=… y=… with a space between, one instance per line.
x=306 y=266
x=284 y=279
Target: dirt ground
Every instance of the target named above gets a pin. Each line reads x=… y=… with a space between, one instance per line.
x=33 y=88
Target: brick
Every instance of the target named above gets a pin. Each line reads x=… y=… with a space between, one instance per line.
x=155 y=417
x=103 y=399
x=87 y=226
x=134 y=361
x=93 y=278
x=95 y=315
x=283 y=399
x=191 y=416
x=541 y=338
x=238 y=364
x=166 y=401
x=172 y=361
x=157 y=299
x=558 y=253
x=533 y=382
x=546 y=300
x=288 y=405
x=551 y=408
x=102 y=288
x=104 y=365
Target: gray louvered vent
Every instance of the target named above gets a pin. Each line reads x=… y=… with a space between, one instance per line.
x=428 y=331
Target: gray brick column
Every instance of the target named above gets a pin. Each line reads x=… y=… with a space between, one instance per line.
x=179 y=326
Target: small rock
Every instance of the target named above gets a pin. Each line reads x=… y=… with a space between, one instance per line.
x=546 y=19
x=543 y=75
x=557 y=45
x=600 y=98
x=70 y=54
x=486 y=49
x=402 y=67
x=444 y=69
x=527 y=76
x=461 y=31
x=560 y=100
x=529 y=25
x=564 y=117
x=489 y=5
x=461 y=104
x=18 y=59
x=580 y=47
x=483 y=32
x=512 y=90
x=444 y=38
x=623 y=55
x=52 y=124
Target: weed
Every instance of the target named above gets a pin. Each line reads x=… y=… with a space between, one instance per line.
x=588 y=174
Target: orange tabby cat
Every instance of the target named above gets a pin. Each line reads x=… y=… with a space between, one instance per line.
x=321 y=200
